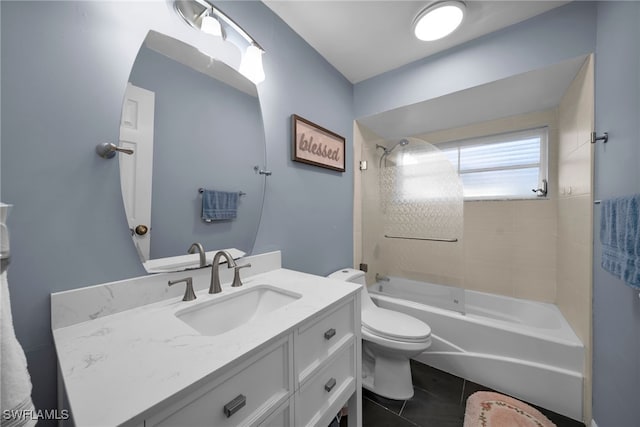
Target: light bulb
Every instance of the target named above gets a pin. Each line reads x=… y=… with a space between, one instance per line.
x=211 y=25
x=251 y=64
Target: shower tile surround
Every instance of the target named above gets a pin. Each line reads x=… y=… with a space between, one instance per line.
x=495 y=253
x=533 y=249
x=574 y=289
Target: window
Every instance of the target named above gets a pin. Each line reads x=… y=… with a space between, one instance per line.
x=505 y=166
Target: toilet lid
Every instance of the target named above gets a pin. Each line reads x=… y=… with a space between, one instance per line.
x=394 y=325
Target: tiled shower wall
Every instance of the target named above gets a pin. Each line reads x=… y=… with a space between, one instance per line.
x=507 y=247
x=575 y=212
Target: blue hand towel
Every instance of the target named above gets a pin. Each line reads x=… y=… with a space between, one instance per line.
x=620 y=238
x=219 y=205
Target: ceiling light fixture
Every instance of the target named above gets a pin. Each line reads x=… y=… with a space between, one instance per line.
x=438 y=20
x=251 y=64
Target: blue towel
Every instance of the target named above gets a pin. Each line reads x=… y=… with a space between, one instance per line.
x=620 y=238
x=219 y=205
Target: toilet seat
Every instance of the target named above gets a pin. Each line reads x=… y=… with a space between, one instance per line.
x=393 y=325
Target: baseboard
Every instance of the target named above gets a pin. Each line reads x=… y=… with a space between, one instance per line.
x=593 y=423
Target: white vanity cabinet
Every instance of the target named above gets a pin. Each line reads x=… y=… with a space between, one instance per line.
x=318 y=400
x=139 y=364
x=281 y=417
x=302 y=379
x=243 y=396
x=325 y=363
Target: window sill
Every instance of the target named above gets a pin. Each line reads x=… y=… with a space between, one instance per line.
x=505 y=199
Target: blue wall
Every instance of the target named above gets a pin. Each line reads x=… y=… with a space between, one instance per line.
x=308 y=211
x=63 y=78
x=63 y=81
x=616 y=307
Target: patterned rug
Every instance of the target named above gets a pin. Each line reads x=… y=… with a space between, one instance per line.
x=488 y=409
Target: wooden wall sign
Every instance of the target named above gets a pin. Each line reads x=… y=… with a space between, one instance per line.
x=315 y=145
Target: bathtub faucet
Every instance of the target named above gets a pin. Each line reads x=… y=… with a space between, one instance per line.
x=380 y=278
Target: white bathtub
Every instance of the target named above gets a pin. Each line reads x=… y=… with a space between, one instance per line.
x=522 y=348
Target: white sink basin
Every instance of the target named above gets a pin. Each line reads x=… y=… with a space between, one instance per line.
x=228 y=312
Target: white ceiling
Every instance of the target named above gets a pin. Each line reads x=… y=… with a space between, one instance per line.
x=364 y=38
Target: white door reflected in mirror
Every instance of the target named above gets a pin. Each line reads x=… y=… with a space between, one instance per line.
x=136 y=132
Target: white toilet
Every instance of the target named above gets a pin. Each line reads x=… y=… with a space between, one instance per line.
x=389 y=340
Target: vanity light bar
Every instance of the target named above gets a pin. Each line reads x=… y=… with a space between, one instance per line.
x=220 y=15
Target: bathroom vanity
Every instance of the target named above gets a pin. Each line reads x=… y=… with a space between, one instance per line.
x=281 y=350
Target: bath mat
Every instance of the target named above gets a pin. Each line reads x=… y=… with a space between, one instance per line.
x=488 y=409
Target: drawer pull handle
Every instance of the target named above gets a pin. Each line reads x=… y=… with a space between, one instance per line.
x=235 y=405
x=329 y=334
x=330 y=385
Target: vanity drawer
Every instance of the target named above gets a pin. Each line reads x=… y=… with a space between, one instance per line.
x=281 y=417
x=319 y=339
x=324 y=394
x=242 y=398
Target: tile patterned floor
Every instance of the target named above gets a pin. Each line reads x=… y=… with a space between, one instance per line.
x=439 y=401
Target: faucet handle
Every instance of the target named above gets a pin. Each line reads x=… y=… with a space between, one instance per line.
x=189 y=295
x=236 y=275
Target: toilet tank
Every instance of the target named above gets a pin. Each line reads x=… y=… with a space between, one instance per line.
x=349 y=275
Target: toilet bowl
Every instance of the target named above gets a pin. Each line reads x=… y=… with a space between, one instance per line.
x=389 y=340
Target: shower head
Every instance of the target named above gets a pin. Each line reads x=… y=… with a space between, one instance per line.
x=388 y=151
x=401 y=143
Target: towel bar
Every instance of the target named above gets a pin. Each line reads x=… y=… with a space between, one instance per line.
x=432 y=239
x=240 y=193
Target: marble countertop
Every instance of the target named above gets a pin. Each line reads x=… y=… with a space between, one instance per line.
x=118 y=367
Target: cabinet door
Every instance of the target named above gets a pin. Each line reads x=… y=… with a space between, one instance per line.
x=281 y=417
x=319 y=339
x=320 y=398
x=254 y=389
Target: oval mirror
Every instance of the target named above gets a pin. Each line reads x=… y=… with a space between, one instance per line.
x=194 y=124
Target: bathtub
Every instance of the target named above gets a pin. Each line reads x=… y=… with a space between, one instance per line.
x=522 y=348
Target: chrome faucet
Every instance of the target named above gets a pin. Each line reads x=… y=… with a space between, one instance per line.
x=215 y=288
x=198 y=247
x=381 y=278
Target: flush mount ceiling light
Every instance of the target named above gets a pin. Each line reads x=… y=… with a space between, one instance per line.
x=438 y=20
